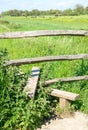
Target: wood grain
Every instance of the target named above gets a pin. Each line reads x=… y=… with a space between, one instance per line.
x=46 y=59
x=68 y=79
x=32 y=82
x=44 y=33
x=65 y=95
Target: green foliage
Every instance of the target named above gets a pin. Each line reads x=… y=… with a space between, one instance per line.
x=4 y=22
x=17 y=111
x=40 y=23
x=78 y=10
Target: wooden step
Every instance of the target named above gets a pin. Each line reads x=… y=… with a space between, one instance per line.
x=63 y=94
x=32 y=82
x=64 y=97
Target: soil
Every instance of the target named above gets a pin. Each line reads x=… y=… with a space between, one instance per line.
x=77 y=122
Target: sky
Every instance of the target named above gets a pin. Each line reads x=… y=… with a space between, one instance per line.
x=39 y=4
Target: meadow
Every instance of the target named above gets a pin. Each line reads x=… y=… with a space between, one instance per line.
x=51 y=45
x=45 y=46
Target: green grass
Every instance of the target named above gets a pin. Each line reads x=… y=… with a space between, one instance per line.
x=39 y=23
x=47 y=46
x=44 y=46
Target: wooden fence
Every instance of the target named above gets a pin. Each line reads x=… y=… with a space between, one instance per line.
x=31 y=86
x=46 y=59
x=44 y=33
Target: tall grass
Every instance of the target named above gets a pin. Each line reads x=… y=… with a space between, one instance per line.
x=39 y=23
x=47 y=46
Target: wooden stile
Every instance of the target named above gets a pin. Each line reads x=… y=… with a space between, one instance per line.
x=64 y=97
x=32 y=82
x=31 y=86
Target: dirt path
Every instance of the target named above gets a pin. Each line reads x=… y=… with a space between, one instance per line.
x=78 y=122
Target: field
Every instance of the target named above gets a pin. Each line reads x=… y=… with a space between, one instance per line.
x=47 y=46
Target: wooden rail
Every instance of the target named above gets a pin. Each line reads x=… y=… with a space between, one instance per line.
x=46 y=59
x=69 y=79
x=43 y=33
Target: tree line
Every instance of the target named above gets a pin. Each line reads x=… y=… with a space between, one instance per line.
x=78 y=10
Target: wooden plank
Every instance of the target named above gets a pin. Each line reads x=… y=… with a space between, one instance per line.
x=69 y=79
x=44 y=33
x=32 y=82
x=46 y=59
x=65 y=95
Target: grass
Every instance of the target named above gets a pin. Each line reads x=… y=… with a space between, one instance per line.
x=47 y=46
x=44 y=46
x=39 y=23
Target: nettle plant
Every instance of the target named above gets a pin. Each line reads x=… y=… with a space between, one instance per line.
x=17 y=111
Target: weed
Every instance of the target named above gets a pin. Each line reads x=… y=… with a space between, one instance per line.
x=4 y=22
x=17 y=111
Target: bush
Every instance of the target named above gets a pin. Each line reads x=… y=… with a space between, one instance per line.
x=17 y=111
x=4 y=22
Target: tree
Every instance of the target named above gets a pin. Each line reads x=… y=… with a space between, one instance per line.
x=86 y=10
x=25 y=13
x=79 y=9
x=54 y=12
x=35 y=12
x=68 y=12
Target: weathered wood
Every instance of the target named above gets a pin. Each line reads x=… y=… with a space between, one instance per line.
x=69 y=79
x=64 y=103
x=44 y=33
x=65 y=95
x=46 y=59
x=32 y=82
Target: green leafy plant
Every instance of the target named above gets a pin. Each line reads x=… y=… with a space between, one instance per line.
x=17 y=111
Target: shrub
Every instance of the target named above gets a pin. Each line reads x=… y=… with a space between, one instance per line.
x=4 y=22
x=17 y=111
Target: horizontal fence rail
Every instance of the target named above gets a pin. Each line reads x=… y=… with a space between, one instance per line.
x=46 y=59
x=68 y=79
x=43 y=33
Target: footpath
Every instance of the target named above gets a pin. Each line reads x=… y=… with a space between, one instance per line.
x=78 y=122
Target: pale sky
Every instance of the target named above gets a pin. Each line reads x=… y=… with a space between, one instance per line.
x=39 y=4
